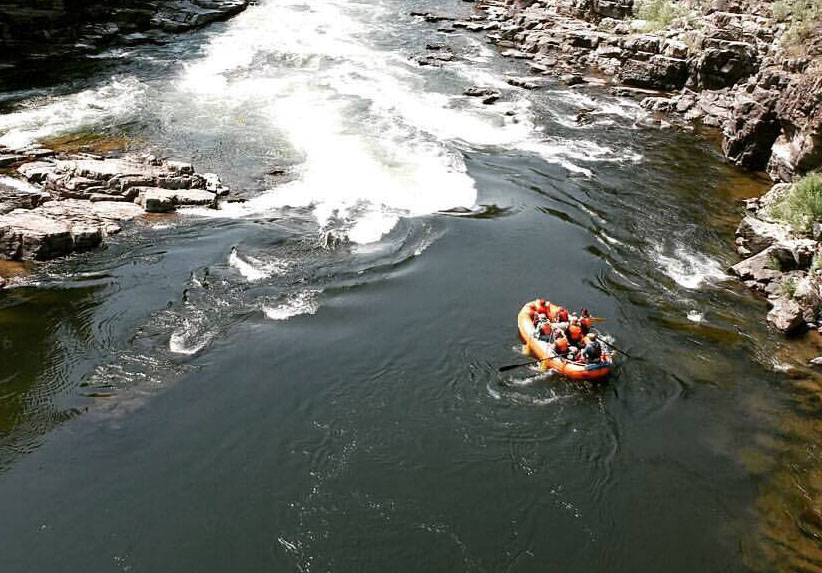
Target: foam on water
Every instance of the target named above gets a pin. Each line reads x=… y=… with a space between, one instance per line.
x=374 y=144
x=185 y=341
x=689 y=269
x=112 y=103
x=305 y=302
x=695 y=316
x=252 y=268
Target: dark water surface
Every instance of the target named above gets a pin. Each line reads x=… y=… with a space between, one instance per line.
x=316 y=408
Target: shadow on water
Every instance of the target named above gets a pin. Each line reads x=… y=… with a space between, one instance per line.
x=45 y=334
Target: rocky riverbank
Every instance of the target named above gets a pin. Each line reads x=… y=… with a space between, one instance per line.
x=32 y=32
x=751 y=68
x=56 y=204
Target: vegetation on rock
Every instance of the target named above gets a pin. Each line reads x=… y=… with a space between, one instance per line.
x=659 y=14
x=801 y=207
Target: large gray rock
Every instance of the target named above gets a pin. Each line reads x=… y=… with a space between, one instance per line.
x=16 y=194
x=57 y=228
x=717 y=68
x=156 y=200
x=658 y=72
x=25 y=234
x=754 y=235
x=49 y=29
x=752 y=129
x=758 y=270
x=786 y=316
x=799 y=111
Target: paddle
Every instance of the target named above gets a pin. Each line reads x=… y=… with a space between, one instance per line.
x=508 y=367
x=617 y=349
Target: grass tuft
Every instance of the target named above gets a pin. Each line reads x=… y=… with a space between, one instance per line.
x=659 y=13
x=788 y=288
x=801 y=207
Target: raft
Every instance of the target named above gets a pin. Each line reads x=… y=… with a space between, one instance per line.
x=541 y=350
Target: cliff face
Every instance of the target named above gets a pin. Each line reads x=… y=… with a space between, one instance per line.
x=739 y=65
x=32 y=30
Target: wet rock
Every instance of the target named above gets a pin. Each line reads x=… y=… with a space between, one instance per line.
x=19 y=195
x=36 y=171
x=572 y=79
x=754 y=235
x=659 y=72
x=479 y=91
x=761 y=268
x=786 y=316
x=94 y=195
x=8 y=159
x=521 y=83
x=656 y=103
x=815 y=361
x=157 y=200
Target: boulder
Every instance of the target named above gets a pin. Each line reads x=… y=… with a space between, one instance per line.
x=16 y=194
x=716 y=68
x=799 y=113
x=761 y=268
x=616 y=9
x=752 y=129
x=36 y=171
x=786 y=316
x=754 y=235
x=25 y=234
x=659 y=72
x=157 y=200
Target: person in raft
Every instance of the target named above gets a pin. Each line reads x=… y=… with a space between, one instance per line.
x=592 y=352
x=574 y=332
x=585 y=321
x=560 y=344
x=543 y=329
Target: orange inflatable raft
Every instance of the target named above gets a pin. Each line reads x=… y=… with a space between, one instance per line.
x=542 y=350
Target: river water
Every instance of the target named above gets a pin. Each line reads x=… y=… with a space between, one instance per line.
x=307 y=380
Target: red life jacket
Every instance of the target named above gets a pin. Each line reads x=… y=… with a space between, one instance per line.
x=561 y=345
x=575 y=333
x=562 y=315
x=546 y=328
x=585 y=322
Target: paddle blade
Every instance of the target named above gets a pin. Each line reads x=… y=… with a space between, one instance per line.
x=508 y=367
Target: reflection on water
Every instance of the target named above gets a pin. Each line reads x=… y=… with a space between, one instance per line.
x=44 y=336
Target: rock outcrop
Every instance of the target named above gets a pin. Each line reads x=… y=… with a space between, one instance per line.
x=726 y=61
x=779 y=264
x=47 y=29
x=72 y=203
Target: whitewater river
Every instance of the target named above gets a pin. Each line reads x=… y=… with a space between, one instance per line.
x=233 y=390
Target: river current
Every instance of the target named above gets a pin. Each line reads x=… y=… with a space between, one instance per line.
x=307 y=379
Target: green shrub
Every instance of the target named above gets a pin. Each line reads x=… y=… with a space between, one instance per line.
x=802 y=205
x=804 y=17
x=788 y=288
x=773 y=263
x=659 y=13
